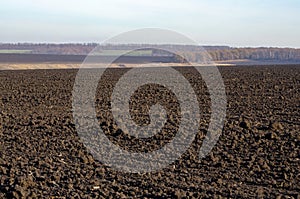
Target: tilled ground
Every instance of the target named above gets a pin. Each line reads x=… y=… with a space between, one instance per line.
x=257 y=154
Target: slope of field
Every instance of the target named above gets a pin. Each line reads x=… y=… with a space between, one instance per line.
x=257 y=155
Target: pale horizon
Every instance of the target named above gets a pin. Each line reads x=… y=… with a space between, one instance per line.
x=231 y=23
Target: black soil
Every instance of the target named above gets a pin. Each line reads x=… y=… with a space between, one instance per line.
x=257 y=155
x=50 y=58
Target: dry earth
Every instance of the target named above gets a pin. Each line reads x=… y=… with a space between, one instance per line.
x=257 y=155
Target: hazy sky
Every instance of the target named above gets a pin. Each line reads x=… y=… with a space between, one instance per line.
x=209 y=22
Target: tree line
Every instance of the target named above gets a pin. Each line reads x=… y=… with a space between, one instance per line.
x=194 y=53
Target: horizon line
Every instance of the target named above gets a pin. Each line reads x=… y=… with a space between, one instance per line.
x=96 y=43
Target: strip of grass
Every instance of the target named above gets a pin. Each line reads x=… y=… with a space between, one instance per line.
x=6 y=51
x=122 y=52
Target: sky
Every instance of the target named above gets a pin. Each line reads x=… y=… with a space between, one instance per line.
x=238 y=23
